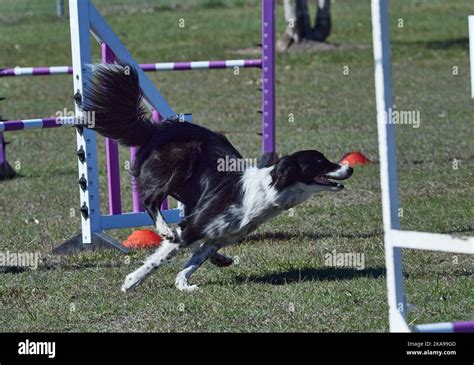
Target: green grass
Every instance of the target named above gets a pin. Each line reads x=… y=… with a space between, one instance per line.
x=281 y=266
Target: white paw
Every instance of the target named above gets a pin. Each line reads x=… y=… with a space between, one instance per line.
x=188 y=288
x=182 y=285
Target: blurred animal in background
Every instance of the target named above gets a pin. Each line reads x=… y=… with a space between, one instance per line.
x=298 y=23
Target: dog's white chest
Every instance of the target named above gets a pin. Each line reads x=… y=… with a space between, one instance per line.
x=257 y=204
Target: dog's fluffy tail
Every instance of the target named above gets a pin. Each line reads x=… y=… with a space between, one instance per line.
x=113 y=99
x=112 y=104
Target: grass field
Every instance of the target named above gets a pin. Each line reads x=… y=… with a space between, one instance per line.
x=281 y=281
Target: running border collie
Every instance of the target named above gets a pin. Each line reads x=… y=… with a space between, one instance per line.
x=180 y=159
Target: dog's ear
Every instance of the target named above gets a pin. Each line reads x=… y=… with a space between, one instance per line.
x=285 y=173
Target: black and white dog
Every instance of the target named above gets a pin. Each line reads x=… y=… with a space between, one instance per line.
x=180 y=159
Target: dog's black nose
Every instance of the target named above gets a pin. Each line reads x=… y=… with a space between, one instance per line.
x=350 y=170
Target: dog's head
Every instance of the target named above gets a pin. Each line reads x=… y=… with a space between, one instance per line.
x=310 y=168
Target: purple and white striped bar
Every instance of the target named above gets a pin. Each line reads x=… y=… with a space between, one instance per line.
x=36 y=71
x=201 y=65
x=466 y=327
x=150 y=67
x=24 y=124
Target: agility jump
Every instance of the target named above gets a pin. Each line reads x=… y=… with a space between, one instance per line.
x=395 y=238
x=85 y=19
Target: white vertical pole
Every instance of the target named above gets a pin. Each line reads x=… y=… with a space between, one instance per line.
x=86 y=140
x=471 y=51
x=388 y=162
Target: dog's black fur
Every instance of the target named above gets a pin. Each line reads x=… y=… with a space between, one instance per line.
x=179 y=159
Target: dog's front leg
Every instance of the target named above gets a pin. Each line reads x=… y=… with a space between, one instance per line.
x=164 y=230
x=196 y=260
x=152 y=206
x=165 y=252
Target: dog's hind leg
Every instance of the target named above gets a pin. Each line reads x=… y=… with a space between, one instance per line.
x=196 y=260
x=221 y=260
x=165 y=252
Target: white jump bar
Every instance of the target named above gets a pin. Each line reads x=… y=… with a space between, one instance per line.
x=432 y=241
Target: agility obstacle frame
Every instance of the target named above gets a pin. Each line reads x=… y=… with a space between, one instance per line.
x=85 y=19
x=394 y=237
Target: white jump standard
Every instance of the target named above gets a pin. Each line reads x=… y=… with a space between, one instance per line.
x=394 y=237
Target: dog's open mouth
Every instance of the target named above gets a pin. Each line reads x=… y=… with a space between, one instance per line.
x=324 y=181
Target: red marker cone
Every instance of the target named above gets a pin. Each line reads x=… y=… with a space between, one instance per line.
x=143 y=238
x=354 y=159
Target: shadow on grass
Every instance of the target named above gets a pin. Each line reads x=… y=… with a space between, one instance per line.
x=446 y=44
x=12 y=270
x=312 y=274
x=284 y=236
